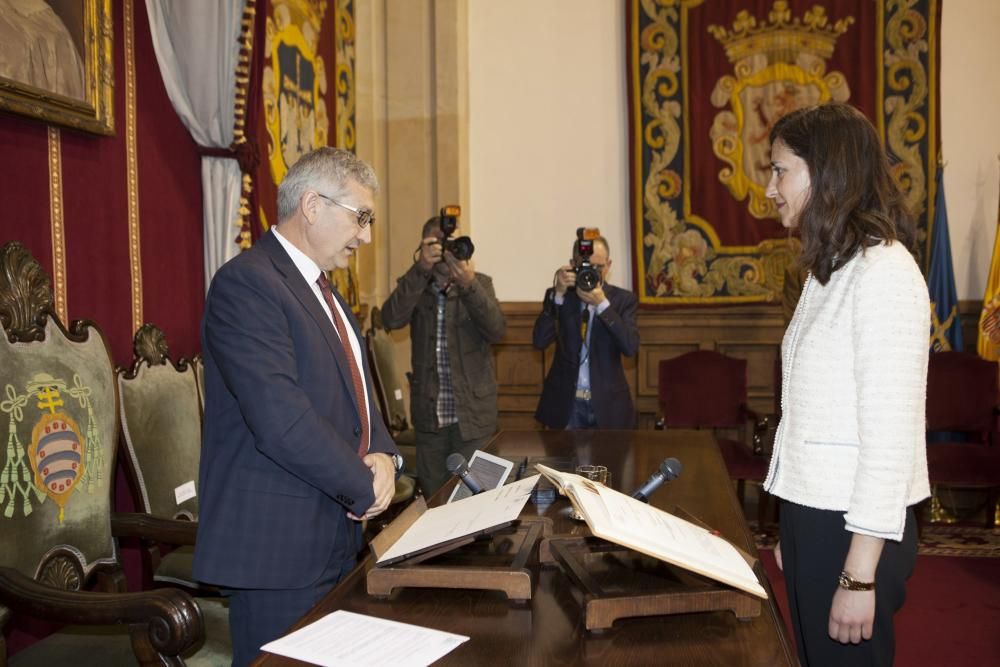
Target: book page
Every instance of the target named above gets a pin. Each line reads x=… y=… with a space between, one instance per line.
x=624 y=520
x=462 y=518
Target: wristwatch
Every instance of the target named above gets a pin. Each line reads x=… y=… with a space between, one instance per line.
x=398 y=463
x=847 y=582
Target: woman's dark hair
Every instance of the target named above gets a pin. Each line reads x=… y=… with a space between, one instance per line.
x=853 y=203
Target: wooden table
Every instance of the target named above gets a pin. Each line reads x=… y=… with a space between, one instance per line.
x=549 y=629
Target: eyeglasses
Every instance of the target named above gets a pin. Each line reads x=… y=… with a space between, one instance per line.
x=365 y=217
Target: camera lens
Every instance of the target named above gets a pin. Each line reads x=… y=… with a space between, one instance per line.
x=462 y=247
x=587 y=278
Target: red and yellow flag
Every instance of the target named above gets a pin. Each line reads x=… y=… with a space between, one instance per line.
x=989 y=319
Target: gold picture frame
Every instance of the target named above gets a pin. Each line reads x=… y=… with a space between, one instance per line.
x=59 y=64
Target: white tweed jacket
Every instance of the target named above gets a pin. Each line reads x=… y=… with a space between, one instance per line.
x=854 y=381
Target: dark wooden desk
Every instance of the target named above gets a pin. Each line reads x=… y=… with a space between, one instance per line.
x=549 y=629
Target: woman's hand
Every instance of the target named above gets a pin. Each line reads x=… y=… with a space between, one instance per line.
x=852 y=615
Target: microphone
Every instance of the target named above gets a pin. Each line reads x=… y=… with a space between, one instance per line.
x=670 y=469
x=458 y=466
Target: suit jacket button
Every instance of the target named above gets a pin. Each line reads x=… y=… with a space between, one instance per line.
x=357 y=430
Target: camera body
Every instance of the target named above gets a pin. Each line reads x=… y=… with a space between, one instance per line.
x=587 y=276
x=461 y=247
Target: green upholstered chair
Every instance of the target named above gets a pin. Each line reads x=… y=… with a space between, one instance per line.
x=59 y=406
x=199 y=372
x=389 y=389
x=161 y=415
x=389 y=395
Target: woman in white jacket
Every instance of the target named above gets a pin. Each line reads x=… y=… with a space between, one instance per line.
x=849 y=457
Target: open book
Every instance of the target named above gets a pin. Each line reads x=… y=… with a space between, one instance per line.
x=618 y=518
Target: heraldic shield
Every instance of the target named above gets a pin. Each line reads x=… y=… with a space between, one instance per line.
x=59 y=407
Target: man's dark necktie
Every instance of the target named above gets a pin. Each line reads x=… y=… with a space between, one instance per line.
x=359 y=388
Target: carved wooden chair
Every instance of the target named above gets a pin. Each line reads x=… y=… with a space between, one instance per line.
x=962 y=399
x=389 y=388
x=707 y=389
x=161 y=415
x=198 y=364
x=60 y=408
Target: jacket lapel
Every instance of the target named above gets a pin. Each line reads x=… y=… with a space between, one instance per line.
x=307 y=299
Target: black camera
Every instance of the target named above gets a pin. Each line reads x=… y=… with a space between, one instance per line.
x=587 y=277
x=461 y=247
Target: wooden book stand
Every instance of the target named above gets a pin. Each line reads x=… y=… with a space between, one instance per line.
x=495 y=559
x=618 y=582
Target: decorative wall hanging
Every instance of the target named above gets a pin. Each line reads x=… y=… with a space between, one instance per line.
x=707 y=81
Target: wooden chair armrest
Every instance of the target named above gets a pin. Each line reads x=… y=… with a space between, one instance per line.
x=763 y=436
x=163 y=622
x=144 y=526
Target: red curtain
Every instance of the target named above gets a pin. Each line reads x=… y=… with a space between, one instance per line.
x=96 y=219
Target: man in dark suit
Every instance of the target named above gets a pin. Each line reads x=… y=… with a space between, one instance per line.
x=586 y=386
x=294 y=453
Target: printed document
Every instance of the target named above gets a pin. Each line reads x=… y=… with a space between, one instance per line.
x=462 y=518
x=346 y=639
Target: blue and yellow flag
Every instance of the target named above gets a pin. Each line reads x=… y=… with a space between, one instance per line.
x=989 y=319
x=946 y=326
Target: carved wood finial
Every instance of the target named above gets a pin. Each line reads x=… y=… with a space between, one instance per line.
x=25 y=294
x=150 y=345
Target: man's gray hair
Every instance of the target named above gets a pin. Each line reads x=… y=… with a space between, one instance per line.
x=320 y=170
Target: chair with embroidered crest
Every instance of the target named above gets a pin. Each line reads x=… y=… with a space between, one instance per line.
x=708 y=389
x=161 y=415
x=60 y=408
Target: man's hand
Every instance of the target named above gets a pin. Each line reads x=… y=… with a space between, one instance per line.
x=852 y=615
x=430 y=253
x=384 y=483
x=592 y=298
x=565 y=278
x=460 y=271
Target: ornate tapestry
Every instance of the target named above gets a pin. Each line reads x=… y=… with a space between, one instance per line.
x=307 y=99
x=707 y=81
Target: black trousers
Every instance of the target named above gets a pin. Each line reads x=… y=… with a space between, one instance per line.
x=814 y=544
x=433 y=449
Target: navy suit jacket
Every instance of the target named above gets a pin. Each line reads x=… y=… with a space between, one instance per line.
x=613 y=333
x=279 y=463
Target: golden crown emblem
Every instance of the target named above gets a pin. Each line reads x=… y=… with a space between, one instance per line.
x=782 y=38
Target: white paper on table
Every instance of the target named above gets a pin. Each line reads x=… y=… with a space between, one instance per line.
x=343 y=639
x=463 y=517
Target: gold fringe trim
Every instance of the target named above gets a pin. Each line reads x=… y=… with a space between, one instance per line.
x=57 y=222
x=240 y=117
x=132 y=171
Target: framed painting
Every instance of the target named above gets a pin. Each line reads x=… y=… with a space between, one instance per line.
x=56 y=62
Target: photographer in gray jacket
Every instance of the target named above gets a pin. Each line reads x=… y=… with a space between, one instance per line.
x=454 y=317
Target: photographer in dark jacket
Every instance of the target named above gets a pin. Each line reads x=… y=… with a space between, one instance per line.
x=593 y=329
x=454 y=317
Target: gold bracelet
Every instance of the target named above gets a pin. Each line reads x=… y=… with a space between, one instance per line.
x=847 y=582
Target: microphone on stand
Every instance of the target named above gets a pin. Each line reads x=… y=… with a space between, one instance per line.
x=670 y=469
x=458 y=466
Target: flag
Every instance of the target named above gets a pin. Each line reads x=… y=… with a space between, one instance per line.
x=946 y=325
x=989 y=318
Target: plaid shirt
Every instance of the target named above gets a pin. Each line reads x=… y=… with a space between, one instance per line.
x=446 y=411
